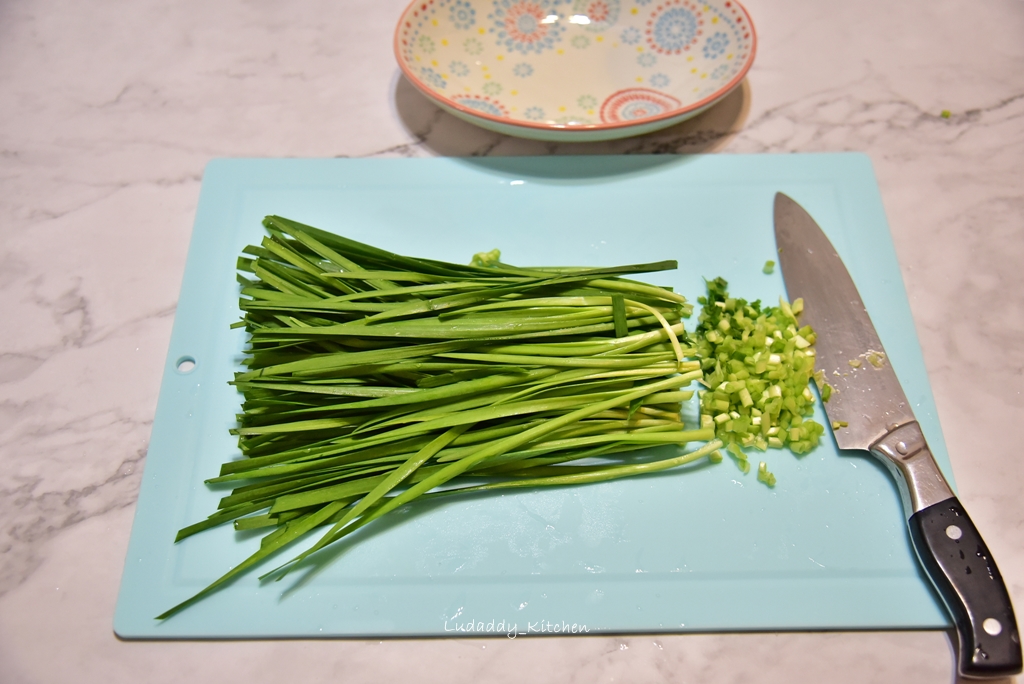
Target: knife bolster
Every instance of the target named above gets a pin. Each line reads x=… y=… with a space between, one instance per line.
x=905 y=452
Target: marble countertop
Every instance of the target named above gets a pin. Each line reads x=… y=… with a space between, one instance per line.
x=108 y=114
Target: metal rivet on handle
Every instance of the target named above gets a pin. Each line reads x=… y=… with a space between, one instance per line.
x=992 y=626
x=901 y=447
x=954 y=532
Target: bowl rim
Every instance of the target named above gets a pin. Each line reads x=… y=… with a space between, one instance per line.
x=567 y=128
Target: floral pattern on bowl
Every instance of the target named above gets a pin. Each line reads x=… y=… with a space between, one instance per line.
x=556 y=69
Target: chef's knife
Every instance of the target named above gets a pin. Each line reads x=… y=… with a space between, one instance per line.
x=869 y=411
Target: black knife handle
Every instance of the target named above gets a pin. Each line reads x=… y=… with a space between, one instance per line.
x=962 y=569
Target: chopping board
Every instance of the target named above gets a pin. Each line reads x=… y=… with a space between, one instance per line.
x=700 y=548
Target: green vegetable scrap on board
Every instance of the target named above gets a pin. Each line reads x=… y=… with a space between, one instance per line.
x=373 y=380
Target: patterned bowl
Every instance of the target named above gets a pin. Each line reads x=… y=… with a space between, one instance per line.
x=575 y=70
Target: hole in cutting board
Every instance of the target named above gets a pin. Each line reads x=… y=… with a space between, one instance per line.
x=185 y=365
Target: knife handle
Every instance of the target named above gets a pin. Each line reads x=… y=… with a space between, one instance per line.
x=962 y=569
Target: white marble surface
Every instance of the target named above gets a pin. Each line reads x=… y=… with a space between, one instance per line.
x=108 y=113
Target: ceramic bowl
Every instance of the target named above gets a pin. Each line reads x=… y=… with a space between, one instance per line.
x=575 y=70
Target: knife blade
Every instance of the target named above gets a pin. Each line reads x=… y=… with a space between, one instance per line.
x=869 y=411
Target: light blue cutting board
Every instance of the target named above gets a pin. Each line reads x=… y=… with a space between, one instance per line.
x=705 y=549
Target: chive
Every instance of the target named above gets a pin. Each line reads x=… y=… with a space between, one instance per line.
x=764 y=476
x=619 y=315
x=373 y=379
x=769 y=267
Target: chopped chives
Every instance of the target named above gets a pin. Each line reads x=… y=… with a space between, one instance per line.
x=757 y=362
x=764 y=476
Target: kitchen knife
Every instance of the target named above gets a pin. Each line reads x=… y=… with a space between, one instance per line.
x=868 y=410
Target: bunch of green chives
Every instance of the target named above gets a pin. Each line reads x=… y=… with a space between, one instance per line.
x=374 y=379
